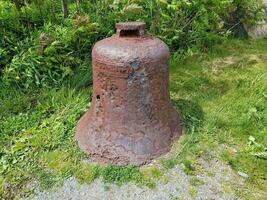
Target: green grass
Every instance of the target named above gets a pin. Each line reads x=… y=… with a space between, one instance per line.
x=228 y=85
x=222 y=98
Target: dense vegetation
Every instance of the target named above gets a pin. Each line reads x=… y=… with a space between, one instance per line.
x=219 y=86
x=43 y=46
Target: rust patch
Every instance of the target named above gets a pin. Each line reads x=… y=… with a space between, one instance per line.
x=131 y=119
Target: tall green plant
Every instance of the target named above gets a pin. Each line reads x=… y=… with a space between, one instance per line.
x=41 y=48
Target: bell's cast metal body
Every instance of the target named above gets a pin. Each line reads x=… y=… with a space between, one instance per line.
x=131 y=119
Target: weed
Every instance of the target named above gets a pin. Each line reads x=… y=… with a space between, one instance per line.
x=120 y=175
x=187 y=166
x=86 y=173
x=194 y=181
x=192 y=192
x=168 y=163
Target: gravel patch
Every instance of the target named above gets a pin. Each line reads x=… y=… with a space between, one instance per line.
x=214 y=180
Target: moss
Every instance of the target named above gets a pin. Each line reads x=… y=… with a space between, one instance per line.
x=168 y=163
x=188 y=167
x=194 y=181
x=210 y=174
x=120 y=175
x=86 y=173
x=192 y=192
x=151 y=172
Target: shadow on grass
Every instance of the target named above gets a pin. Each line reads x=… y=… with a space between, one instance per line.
x=192 y=118
x=191 y=113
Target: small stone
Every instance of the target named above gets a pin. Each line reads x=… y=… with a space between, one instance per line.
x=242 y=174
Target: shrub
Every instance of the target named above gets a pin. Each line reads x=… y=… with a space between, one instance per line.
x=47 y=57
x=240 y=13
x=11 y=29
x=41 y=49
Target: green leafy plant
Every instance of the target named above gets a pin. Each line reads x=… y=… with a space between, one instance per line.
x=257 y=149
x=41 y=49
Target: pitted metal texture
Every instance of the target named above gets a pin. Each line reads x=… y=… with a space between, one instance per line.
x=131 y=119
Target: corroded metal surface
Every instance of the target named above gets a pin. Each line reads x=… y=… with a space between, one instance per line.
x=131 y=120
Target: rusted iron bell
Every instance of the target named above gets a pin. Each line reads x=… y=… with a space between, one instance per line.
x=131 y=120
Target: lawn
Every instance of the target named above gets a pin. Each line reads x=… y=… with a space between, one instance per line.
x=222 y=98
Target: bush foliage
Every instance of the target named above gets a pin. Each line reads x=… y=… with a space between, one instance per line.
x=39 y=47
